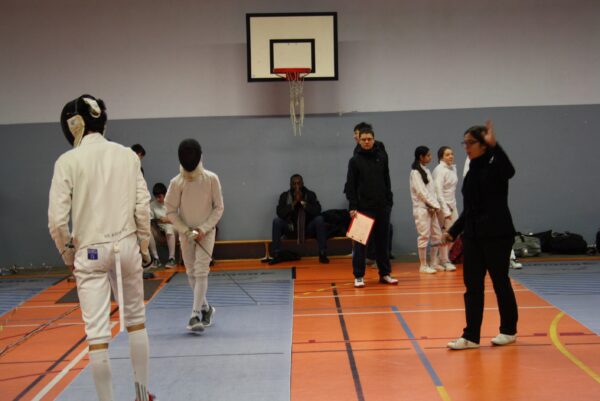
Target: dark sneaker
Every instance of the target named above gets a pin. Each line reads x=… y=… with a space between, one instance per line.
x=171 y=263
x=195 y=325
x=207 y=316
x=323 y=258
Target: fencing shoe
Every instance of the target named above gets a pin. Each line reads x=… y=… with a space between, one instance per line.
x=207 y=316
x=195 y=325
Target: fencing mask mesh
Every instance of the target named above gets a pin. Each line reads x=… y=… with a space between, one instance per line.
x=189 y=153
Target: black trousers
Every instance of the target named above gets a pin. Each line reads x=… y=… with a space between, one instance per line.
x=481 y=256
x=371 y=254
x=380 y=236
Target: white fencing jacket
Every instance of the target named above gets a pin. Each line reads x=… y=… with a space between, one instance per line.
x=446 y=179
x=423 y=196
x=194 y=200
x=100 y=184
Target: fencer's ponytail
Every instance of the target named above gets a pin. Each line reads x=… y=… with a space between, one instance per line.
x=420 y=151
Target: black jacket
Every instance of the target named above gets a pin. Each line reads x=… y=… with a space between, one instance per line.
x=485 y=197
x=368 y=185
x=377 y=146
x=287 y=212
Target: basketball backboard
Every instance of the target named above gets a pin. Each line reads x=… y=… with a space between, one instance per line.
x=296 y=40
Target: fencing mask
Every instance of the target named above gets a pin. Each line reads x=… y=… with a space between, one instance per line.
x=81 y=116
x=189 y=153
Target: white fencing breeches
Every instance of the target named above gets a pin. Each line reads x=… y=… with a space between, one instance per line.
x=93 y=266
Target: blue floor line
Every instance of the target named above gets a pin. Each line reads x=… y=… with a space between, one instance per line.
x=417 y=347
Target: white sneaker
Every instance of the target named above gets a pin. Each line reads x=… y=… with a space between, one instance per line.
x=427 y=269
x=462 y=343
x=438 y=267
x=449 y=267
x=504 y=339
x=387 y=279
x=515 y=265
x=359 y=282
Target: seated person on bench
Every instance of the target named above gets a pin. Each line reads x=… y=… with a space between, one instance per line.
x=299 y=213
x=161 y=226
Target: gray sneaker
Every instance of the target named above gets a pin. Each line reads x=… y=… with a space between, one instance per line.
x=195 y=325
x=207 y=316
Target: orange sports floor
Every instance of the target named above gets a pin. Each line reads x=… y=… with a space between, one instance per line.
x=373 y=344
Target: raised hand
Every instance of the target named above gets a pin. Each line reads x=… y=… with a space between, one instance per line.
x=490 y=135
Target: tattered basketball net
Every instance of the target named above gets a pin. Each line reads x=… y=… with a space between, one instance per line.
x=295 y=77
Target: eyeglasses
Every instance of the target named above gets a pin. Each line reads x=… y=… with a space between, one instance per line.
x=469 y=143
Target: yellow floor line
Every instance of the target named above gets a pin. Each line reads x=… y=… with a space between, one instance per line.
x=443 y=393
x=565 y=351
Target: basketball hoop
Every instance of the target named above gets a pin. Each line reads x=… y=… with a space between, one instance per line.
x=295 y=77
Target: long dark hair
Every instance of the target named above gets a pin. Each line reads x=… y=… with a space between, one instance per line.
x=420 y=151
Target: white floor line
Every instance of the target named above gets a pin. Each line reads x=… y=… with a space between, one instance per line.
x=63 y=373
x=392 y=294
x=410 y=311
x=59 y=376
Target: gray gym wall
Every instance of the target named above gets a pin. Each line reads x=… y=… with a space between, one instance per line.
x=420 y=71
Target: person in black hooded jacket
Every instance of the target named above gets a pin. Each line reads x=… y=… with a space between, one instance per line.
x=488 y=235
x=369 y=191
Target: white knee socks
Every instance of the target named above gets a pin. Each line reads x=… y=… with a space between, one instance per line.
x=444 y=250
x=101 y=373
x=153 y=249
x=171 y=245
x=138 y=349
x=200 y=288
x=423 y=256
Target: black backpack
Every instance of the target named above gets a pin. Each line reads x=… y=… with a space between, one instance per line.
x=568 y=243
x=545 y=237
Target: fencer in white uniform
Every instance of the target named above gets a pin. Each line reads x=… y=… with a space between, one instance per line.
x=99 y=185
x=446 y=179
x=195 y=205
x=425 y=207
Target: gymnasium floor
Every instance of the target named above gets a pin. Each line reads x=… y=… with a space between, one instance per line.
x=301 y=332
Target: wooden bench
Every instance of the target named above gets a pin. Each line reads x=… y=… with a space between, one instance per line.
x=259 y=249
